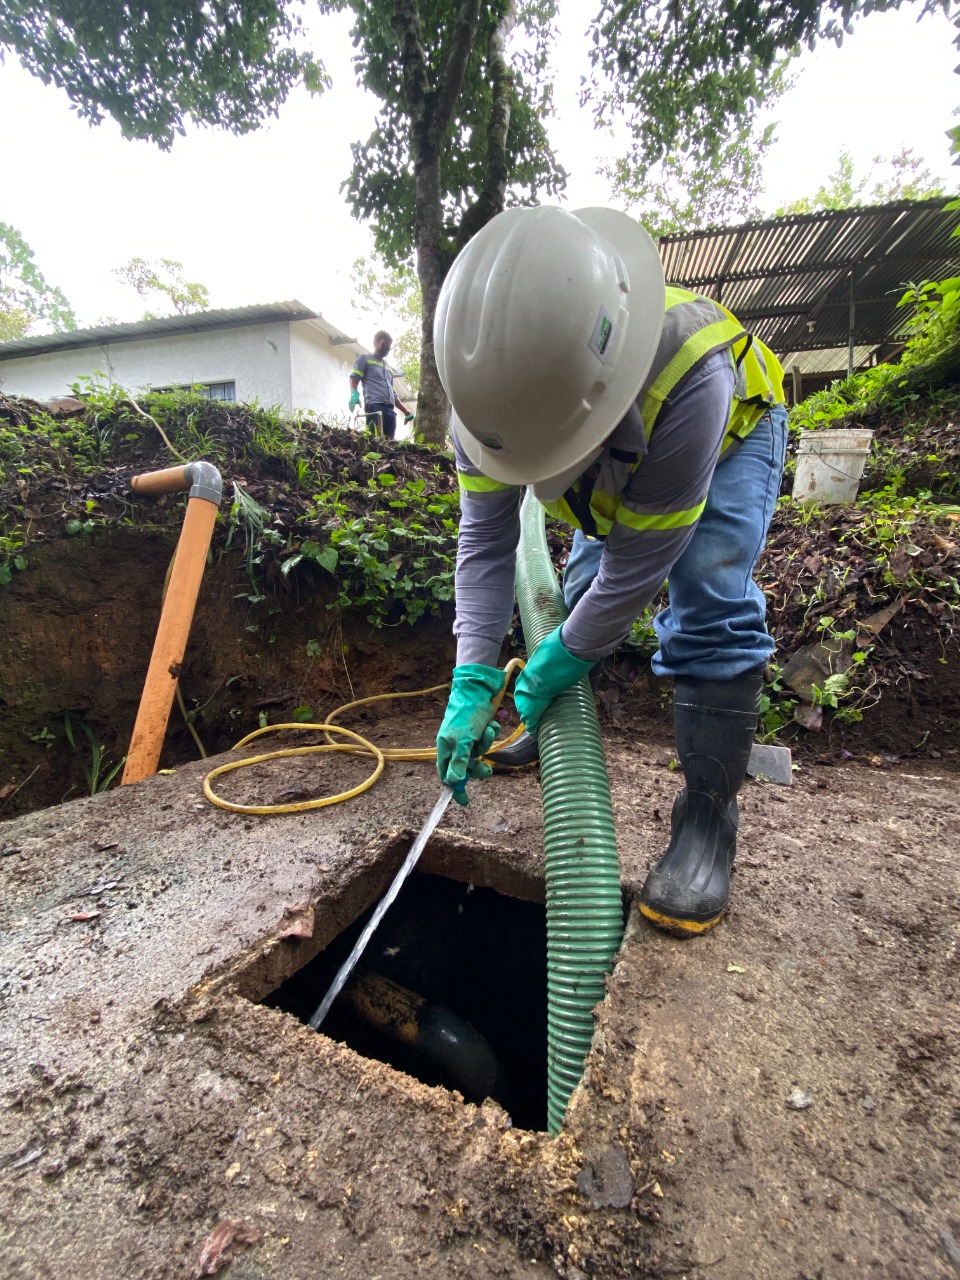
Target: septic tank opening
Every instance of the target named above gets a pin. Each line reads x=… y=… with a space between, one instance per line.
x=451 y=989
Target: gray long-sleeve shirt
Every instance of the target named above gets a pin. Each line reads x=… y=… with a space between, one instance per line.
x=673 y=476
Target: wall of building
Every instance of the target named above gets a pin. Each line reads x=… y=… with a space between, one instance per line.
x=254 y=357
x=320 y=372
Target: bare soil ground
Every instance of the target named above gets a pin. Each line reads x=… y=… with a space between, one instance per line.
x=777 y=1098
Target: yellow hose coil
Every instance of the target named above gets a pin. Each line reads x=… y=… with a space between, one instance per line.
x=358 y=746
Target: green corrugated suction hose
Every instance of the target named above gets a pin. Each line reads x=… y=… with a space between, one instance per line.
x=584 y=903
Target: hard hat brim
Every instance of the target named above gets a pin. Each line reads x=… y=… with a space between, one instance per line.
x=639 y=252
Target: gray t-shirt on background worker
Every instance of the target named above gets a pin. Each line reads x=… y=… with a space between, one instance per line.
x=377 y=379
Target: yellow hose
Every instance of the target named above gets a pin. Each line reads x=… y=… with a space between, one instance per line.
x=360 y=746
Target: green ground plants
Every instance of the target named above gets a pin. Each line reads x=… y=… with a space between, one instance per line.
x=314 y=506
x=97 y=771
x=932 y=320
x=396 y=560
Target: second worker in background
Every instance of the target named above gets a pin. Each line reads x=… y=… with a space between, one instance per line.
x=380 y=403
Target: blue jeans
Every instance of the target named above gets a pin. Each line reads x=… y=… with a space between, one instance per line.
x=714 y=625
x=381 y=419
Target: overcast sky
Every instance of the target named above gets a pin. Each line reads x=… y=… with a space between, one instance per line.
x=261 y=218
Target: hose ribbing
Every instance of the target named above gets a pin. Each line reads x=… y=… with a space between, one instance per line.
x=584 y=903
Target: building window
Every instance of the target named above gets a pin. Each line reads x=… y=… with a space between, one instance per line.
x=219 y=390
x=210 y=390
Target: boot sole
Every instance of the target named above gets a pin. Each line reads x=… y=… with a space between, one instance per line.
x=503 y=766
x=680 y=928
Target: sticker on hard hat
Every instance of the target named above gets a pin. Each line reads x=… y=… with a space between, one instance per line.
x=602 y=333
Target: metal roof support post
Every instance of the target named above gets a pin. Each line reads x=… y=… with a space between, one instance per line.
x=853 y=321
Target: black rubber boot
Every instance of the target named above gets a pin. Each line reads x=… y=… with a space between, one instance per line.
x=524 y=752
x=519 y=755
x=715 y=722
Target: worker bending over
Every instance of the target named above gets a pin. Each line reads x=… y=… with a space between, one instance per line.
x=649 y=420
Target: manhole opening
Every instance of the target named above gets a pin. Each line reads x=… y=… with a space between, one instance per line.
x=451 y=989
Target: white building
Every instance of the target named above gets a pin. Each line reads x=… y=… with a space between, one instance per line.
x=281 y=353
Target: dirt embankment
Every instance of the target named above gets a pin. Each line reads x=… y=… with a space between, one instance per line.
x=77 y=620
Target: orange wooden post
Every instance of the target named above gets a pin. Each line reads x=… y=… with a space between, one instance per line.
x=206 y=487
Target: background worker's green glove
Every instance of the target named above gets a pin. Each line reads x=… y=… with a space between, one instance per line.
x=468 y=729
x=408 y=417
x=354 y=399
x=550 y=671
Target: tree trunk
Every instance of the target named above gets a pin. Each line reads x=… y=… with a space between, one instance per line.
x=430 y=115
x=433 y=409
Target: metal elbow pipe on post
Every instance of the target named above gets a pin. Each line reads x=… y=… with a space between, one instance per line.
x=204 y=485
x=584 y=901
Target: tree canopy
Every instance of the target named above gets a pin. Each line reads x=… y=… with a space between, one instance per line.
x=26 y=300
x=491 y=134
x=687 y=192
x=901 y=177
x=164 y=279
x=225 y=62
x=687 y=73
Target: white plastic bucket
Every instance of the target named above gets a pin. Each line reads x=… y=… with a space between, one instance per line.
x=830 y=464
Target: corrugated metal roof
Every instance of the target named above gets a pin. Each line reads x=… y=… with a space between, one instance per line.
x=789 y=280
x=829 y=360
x=164 y=327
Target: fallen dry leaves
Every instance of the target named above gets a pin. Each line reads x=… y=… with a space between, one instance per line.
x=225 y=1240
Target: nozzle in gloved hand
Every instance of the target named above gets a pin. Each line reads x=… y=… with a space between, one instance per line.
x=468 y=729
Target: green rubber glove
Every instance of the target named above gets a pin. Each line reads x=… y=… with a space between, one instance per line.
x=468 y=729
x=354 y=400
x=408 y=417
x=550 y=671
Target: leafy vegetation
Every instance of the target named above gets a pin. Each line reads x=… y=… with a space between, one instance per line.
x=901 y=177
x=164 y=279
x=934 y=334
x=98 y=773
x=367 y=523
x=689 y=74
x=685 y=192
x=26 y=299
x=896 y=547
x=153 y=67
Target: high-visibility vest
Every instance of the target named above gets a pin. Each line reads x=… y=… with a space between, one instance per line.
x=694 y=328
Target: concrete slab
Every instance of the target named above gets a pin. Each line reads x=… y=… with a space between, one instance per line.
x=149 y=1099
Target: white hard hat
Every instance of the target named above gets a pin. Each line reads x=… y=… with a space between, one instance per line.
x=546 y=327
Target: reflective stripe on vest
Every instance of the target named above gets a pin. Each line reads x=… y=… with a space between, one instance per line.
x=694 y=329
